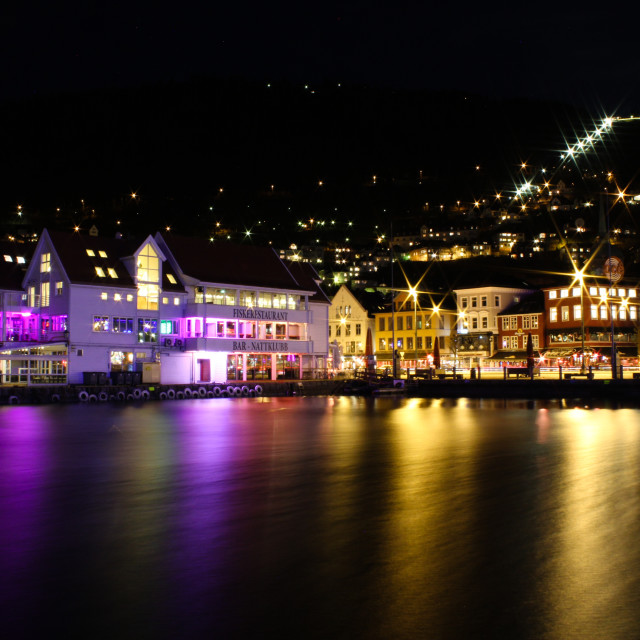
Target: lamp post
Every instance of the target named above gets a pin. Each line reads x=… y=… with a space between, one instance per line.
x=579 y=276
x=614 y=364
x=413 y=293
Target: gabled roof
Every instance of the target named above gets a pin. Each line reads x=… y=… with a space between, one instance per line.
x=80 y=267
x=308 y=278
x=533 y=303
x=12 y=271
x=226 y=263
x=372 y=301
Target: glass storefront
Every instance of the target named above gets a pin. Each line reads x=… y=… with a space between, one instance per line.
x=234 y=367
x=288 y=367
x=258 y=366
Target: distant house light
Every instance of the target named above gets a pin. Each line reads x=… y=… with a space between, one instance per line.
x=112 y=272
x=171 y=278
x=102 y=254
x=100 y=272
x=90 y=252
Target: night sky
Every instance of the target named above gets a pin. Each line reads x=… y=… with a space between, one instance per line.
x=588 y=56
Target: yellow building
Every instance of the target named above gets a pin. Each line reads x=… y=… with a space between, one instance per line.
x=420 y=320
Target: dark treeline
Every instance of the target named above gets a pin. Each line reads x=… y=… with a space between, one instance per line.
x=268 y=148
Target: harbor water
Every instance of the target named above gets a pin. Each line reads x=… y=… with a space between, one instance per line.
x=324 y=517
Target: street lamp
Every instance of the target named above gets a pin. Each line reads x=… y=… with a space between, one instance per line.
x=579 y=277
x=413 y=293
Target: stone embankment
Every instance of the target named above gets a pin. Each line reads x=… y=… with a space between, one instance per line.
x=140 y=393
x=627 y=390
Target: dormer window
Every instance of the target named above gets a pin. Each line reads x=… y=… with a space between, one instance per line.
x=148 y=276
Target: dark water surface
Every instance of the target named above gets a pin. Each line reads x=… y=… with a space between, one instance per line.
x=320 y=518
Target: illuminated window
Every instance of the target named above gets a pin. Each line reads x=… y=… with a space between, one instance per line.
x=148 y=278
x=147 y=330
x=564 y=293
x=59 y=288
x=8 y=258
x=176 y=301
x=593 y=291
x=104 y=296
x=594 y=311
x=100 y=272
x=101 y=323
x=248 y=299
x=632 y=293
x=623 y=313
x=169 y=327
x=90 y=252
x=171 y=278
x=102 y=254
x=44 y=294
x=129 y=297
x=534 y=322
x=535 y=339
x=505 y=323
x=553 y=315
x=575 y=291
x=122 y=325
x=577 y=312
x=112 y=272
x=165 y=300
x=514 y=342
x=553 y=295
x=20 y=260
x=513 y=322
x=117 y=297
x=603 y=312
x=633 y=312
x=45 y=262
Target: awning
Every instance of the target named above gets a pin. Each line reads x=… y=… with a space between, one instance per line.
x=513 y=355
x=558 y=353
x=624 y=352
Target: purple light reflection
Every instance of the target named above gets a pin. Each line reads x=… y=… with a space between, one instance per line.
x=24 y=470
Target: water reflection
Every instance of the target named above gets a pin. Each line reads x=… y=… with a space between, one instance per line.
x=321 y=517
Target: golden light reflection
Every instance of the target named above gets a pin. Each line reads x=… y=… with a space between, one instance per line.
x=591 y=551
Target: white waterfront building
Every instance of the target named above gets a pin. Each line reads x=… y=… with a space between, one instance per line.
x=168 y=309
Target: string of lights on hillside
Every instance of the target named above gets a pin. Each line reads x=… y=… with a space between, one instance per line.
x=583 y=145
